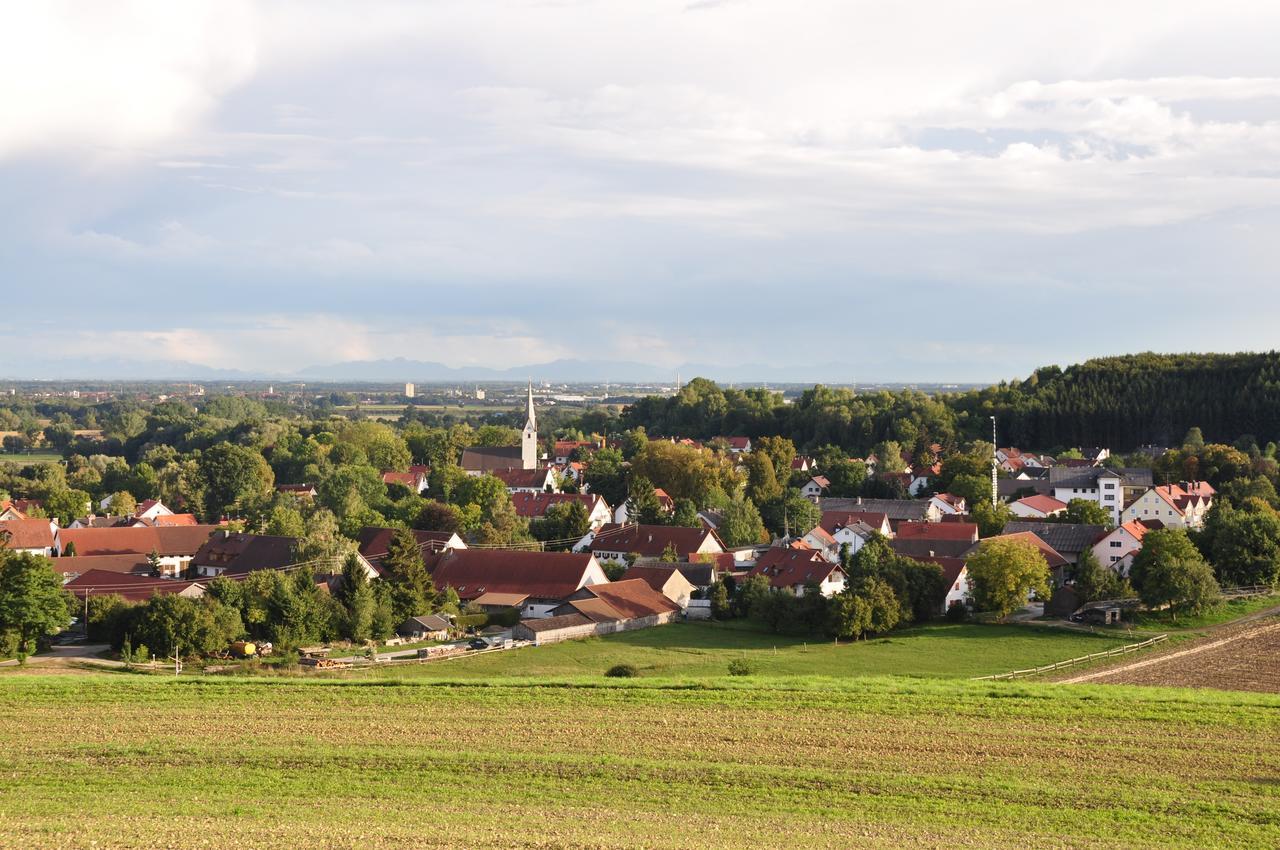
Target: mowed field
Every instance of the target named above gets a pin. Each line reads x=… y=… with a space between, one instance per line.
x=683 y=652
x=130 y=761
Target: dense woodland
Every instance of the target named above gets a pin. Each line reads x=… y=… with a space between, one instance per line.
x=1118 y=402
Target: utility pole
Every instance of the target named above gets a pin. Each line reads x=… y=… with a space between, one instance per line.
x=995 y=497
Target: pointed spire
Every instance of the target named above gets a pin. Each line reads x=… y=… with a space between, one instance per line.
x=531 y=422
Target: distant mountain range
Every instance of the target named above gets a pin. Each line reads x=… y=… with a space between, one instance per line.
x=420 y=371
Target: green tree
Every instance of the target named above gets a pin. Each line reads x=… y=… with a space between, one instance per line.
x=358 y=601
x=686 y=514
x=991 y=519
x=1086 y=512
x=123 y=503
x=412 y=591
x=790 y=513
x=33 y=604
x=1004 y=572
x=741 y=524
x=1245 y=548
x=850 y=616
x=720 y=606
x=231 y=477
x=762 y=482
x=1169 y=570
x=66 y=505
x=1094 y=582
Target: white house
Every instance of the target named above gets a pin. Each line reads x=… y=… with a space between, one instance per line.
x=815 y=487
x=1181 y=505
x=797 y=569
x=948 y=504
x=1038 y=506
x=1100 y=485
x=1117 y=548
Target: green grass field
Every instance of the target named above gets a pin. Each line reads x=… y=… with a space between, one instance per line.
x=129 y=761
x=696 y=651
x=33 y=457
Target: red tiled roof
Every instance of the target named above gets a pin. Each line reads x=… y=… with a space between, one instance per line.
x=908 y=530
x=512 y=477
x=142 y=540
x=81 y=564
x=28 y=533
x=833 y=520
x=534 y=505
x=652 y=540
x=632 y=598
x=1044 y=504
x=174 y=520
x=131 y=587
x=545 y=575
x=791 y=567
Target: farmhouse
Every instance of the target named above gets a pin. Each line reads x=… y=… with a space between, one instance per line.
x=373 y=542
x=669 y=581
x=934 y=539
x=533 y=506
x=1118 y=546
x=174 y=546
x=33 y=536
x=543 y=579
x=601 y=609
x=1037 y=507
x=650 y=542
x=796 y=569
x=1066 y=538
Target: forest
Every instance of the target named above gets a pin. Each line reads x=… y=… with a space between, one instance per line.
x=1119 y=402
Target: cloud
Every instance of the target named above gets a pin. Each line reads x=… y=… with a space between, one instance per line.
x=530 y=180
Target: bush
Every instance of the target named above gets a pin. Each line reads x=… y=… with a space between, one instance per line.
x=478 y=621
x=740 y=667
x=621 y=671
x=509 y=617
x=957 y=612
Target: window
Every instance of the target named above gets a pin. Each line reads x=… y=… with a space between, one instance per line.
x=1116 y=544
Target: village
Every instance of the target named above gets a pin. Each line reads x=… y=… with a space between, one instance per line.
x=1081 y=519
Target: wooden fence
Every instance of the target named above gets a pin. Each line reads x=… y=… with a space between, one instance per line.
x=1071 y=662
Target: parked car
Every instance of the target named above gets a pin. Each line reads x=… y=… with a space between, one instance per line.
x=478 y=643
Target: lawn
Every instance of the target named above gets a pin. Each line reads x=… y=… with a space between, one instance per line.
x=33 y=457
x=127 y=761
x=697 y=651
x=1222 y=613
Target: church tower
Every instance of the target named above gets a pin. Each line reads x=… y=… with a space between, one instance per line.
x=529 y=439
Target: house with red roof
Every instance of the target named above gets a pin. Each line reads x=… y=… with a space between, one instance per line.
x=670 y=581
x=10 y=511
x=413 y=481
x=1181 y=505
x=534 y=506
x=1038 y=506
x=541 y=581
x=1118 y=546
x=797 y=569
x=526 y=480
x=135 y=588
x=948 y=504
x=33 y=536
x=612 y=543
x=174 y=546
x=815 y=487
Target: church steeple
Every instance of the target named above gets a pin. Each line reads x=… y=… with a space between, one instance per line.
x=529 y=438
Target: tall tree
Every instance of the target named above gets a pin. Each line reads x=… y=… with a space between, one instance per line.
x=33 y=604
x=1004 y=572
x=1170 y=571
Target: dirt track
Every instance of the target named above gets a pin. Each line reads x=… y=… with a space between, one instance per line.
x=1244 y=657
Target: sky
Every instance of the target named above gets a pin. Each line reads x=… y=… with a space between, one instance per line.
x=926 y=191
